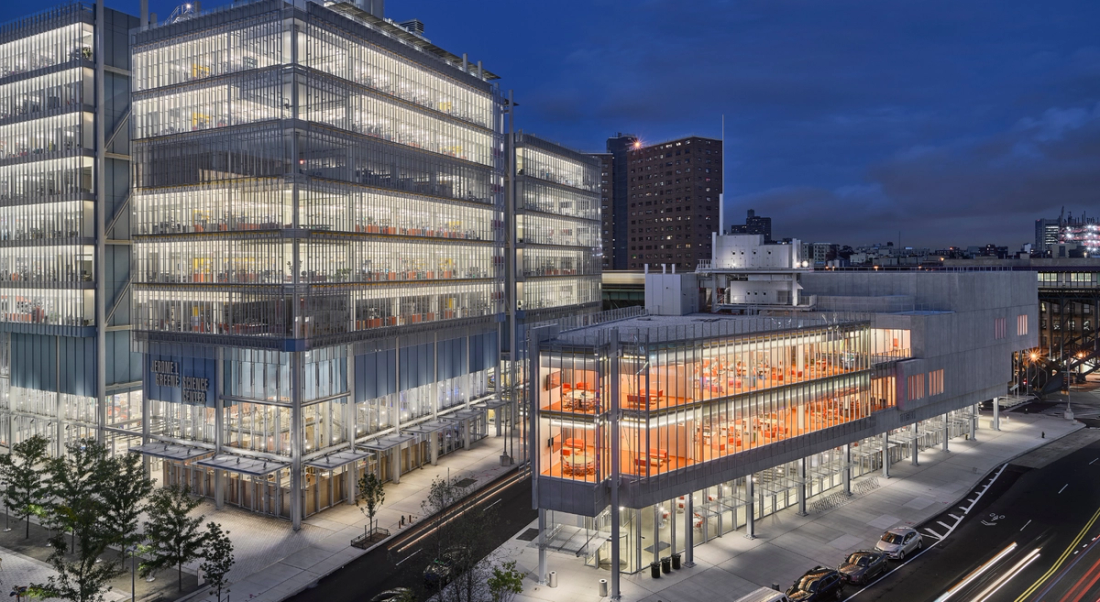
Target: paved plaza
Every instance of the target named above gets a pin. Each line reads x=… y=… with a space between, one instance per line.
x=786 y=545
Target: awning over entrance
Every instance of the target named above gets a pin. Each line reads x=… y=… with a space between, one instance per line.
x=468 y=413
x=338 y=459
x=490 y=404
x=386 y=443
x=250 y=466
x=431 y=426
x=171 y=451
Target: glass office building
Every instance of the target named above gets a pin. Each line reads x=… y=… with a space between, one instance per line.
x=318 y=253
x=557 y=230
x=66 y=369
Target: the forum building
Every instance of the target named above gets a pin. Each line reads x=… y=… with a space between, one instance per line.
x=660 y=432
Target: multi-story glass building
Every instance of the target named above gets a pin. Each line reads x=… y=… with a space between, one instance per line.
x=557 y=230
x=66 y=370
x=319 y=230
x=655 y=434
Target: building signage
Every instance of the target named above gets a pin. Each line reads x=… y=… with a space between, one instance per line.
x=186 y=382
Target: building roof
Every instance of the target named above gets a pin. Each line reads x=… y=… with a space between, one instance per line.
x=660 y=329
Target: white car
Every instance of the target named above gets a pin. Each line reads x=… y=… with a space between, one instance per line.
x=899 y=542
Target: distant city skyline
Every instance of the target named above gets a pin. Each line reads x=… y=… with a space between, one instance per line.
x=956 y=123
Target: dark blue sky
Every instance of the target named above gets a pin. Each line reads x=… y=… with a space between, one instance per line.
x=955 y=122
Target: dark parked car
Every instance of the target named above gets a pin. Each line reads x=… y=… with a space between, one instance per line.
x=819 y=583
x=397 y=594
x=863 y=566
x=448 y=566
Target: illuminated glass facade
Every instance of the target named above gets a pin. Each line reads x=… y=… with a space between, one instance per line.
x=557 y=229
x=318 y=255
x=65 y=363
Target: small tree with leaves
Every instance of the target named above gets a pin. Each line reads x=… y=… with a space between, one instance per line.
x=506 y=582
x=217 y=558
x=174 y=536
x=77 y=509
x=371 y=495
x=125 y=500
x=24 y=487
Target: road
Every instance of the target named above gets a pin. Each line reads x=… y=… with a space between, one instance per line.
x=1030 y=535
x=401 y=562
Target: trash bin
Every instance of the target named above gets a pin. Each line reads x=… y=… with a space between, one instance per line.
x=655 y=570
x=552 y=579
x=666 y=565
x=603 y=588
x=676 y=561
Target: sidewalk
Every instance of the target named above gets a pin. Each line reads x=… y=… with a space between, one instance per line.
x=274 y=562
x=787 y=545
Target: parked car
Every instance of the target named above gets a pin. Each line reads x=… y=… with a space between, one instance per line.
x=817 y=584
x=764 y=594
x=899 y=542
x=450 y=563
x=397 y=594
x=863 y=566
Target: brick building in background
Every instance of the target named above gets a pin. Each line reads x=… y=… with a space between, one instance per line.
x=671 y=206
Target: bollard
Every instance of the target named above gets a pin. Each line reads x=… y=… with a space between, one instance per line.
x=1044 y=436
x=603 y=588
x=775 y=586
x=552 y=579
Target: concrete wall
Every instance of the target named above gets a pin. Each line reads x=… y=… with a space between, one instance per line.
x=671 y=294
x=748 y=251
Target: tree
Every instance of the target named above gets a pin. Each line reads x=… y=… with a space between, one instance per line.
x=371 y=494
x=77 y=484
x=24 y=488
x=217 y=558
x=124 y=496
x=459 y=542
x=174 y=536
x=506 y=582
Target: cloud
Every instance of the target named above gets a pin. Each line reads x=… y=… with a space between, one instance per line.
x=980 y=190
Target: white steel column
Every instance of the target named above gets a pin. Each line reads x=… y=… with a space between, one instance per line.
x=100 y=224
x=996 y=415
x=351 y=473
x=886 y=455
x=802 y=487
x=974 y=422
x=750 y=508
x=848 y=468
x=616 y=449
x=219 y=429
x=689 y=530
x=296 y=493
x=946 y=430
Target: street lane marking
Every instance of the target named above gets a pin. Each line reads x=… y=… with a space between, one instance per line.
x=945 y=525
x=1063 y=488
x=1061 y=559
x=1026 y=524
x=933 y=533
x=408 y=557
x=955 y=517
x=1093 y=461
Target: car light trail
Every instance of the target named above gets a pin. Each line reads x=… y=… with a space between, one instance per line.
x=976 y=573
x=1061 y=559
x=1003 y=579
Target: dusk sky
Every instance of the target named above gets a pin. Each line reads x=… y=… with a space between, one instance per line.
x=955 y=122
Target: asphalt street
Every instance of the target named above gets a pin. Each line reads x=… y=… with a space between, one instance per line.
x=1030 y=536
x=401 y=561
